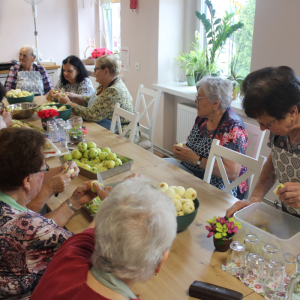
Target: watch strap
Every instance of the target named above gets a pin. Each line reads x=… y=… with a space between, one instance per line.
x=199 y=160
x=71 y=205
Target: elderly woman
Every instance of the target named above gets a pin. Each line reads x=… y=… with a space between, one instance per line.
x=135 y=228
x=272 y=98
x=216 y=120
x=28 y=240
x=100 y=106
x=74 y=78
x=28 y=76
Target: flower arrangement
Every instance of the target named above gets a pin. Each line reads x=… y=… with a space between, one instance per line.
x=47 y=113
x=222 y=228
x=98 y=52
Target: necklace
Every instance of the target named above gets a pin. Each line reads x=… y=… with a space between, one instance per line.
x=292 y=143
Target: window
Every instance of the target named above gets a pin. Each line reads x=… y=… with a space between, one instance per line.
x=241 y=40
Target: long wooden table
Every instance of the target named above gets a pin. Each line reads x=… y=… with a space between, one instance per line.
x=192 y=256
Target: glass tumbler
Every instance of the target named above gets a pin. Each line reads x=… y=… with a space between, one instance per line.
x=54 y=134
x=236 y=258
x=254 y=268
x=274 y=280
x=270 y=252
x=251 y=243
x=290 y=263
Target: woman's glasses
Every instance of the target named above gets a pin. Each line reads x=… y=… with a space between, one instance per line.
x=95 y=69
x=46 y=169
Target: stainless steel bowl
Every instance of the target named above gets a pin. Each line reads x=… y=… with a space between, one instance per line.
x=26 y=111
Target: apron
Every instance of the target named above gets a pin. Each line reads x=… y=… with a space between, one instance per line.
x=92 y=100
x=31 y=81
x=287 y=169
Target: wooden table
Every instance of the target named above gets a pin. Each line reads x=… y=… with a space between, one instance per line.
x=192 y=256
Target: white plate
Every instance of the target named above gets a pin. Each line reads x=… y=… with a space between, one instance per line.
x=52 y=148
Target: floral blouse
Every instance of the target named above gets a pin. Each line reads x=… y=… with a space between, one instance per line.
x=231 y=133
x=84 y=88
x=104 y=106
x=28 y=241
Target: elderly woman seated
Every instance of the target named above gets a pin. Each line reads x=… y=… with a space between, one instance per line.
x=74 y=78
x=100 y=106
x=135 y=228
x=216 y=120
x=28 y=76
x=28 y=240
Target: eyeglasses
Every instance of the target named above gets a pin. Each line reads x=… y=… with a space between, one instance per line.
x=268 y=126
x=197 y=98
x=46 y=169
x=23 y=55
x=95 y=69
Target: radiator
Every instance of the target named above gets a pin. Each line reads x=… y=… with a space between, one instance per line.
x=186 y=115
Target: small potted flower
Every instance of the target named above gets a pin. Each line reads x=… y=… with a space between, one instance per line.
x=46 y=115
x=223 y=229
x=98 y=52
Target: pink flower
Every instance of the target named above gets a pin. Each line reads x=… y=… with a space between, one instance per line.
x=211 y=229
x=221 y=220
x=231 y=228
x=98 y=52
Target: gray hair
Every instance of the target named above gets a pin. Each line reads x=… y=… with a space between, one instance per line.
x=135 y=225
x=111 y=62
x=217 y=88
x=31 y=49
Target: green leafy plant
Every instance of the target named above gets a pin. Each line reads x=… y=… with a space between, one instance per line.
x=217 y=31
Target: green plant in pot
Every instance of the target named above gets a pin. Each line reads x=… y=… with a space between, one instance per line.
x=186 y=61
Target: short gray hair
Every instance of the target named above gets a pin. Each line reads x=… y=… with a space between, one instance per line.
x=217 y=88
x=135 y=225
x=31 y=49
x=111 y=62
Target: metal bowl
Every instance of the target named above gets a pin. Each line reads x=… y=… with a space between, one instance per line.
x=26 y=111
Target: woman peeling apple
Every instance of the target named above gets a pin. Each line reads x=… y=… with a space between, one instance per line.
x=272 y=98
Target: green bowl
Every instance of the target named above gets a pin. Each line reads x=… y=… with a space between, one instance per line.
x=183 y=222
x=64 y=114
x=12 y=100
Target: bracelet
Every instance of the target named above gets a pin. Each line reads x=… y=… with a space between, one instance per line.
x=71 y=205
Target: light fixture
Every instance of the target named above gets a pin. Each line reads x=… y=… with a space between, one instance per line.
x=34 y=13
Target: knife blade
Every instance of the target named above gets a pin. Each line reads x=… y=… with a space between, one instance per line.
x=99 y=178
x=68 y=168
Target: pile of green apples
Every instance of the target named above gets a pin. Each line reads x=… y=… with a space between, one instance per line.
x=182 y=198
x=88 y=156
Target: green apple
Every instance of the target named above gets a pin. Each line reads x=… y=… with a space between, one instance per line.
x=91 y=145
x=68 y=156
x=277 y=188
x=85 y=166
x=179 y=144
x=110 y=164
x=86 y=154
x=99 y=150
x=111 y=156
x=92 y=186
x=102 y=156
x=71 y=171
x=82 y=147
x=93 y=152
x=84 y=160
x=79 y=164
x=102 y=169
x=96 y=160
x=94 y=170
x=90 y=163
x=188 y=208
x=190 y=194
x=106 y=149
x=76 y=160
x=180 y=190
x=16 y=125
x=180 y=213
x=118 y=162
x=99 y=166
x=76 y=154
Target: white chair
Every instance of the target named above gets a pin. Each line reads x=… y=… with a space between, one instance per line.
x=255 y=140
x=147 y=132
x=253 y=165
x=133 y=118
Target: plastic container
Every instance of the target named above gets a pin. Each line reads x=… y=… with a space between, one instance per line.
x=283 y=229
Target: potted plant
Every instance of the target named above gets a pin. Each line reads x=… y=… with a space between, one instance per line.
x=217 y=31
x=186 y=61
x=222 y=229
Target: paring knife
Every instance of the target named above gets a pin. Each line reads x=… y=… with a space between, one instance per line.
x=69 y=165
x=99 y=178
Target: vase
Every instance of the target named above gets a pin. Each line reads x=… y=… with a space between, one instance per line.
x=44 y=122
x=222 y=245
x=190 y=80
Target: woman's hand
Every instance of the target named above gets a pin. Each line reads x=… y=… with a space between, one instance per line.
x=74 y=167
x=237 y=206
x=50 y=95
x=7 y=117
x=290 y=193
x=70 y=95
x=58 y=183
x=63 y=100
x=185 y=154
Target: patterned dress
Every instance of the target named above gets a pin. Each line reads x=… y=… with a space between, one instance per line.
x=104 y=106
x=231 y=133
x=84 y=88
x=28 y=241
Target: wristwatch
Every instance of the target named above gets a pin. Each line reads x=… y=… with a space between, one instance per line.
x=199 y=161
x=71 y=205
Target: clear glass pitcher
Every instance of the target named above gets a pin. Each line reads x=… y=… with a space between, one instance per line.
x=75 y=133
x=293 y=290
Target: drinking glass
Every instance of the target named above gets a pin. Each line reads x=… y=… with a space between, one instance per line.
x=255 y=267
x=275 y=275
x=236 y=258
x=251 y=243
x=290 y=263
x=76 y=134
x=54 y=134
x=270 y=252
